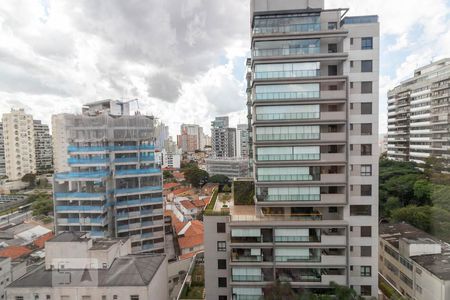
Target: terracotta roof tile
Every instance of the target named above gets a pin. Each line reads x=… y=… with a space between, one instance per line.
x=15 y=251
x=187 y=204
x=40 y=241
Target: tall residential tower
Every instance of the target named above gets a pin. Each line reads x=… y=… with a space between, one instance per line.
x=313 y=90
x=223 y=138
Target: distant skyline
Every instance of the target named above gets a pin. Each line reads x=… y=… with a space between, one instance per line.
x=185 y=61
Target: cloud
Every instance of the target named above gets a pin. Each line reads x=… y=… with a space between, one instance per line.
x=164 y=86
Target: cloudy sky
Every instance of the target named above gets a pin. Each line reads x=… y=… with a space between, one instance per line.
x=184 y=59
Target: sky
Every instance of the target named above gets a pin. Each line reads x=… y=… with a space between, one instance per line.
x=183 y=59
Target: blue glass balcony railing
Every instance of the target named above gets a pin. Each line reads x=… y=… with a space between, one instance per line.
x=287 y=136
x=79 y=208
x=138 y=171
x=87 y=161
x=147 y=246
x=147 y=235
x=140 y=201
x=281 y=157
x=287 y=51
x=132 y=148
x=73 y=149
x=79 y=195
x=97 y=234
x=287 y=116
x=135 y=159
x=287 y=74
x=287 y=95
x=79 y=175
x=138 y=190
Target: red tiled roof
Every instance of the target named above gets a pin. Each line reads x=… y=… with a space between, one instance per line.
x=178 y=175
x=15 y=251
x=170 y=185
x=191 y=241
x=181 y=190
x=199 y=203
x=40 y=241
x=206 y=200
x=187 y=204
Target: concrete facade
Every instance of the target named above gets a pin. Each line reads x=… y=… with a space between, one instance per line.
x=223 y=138
x=43 y=147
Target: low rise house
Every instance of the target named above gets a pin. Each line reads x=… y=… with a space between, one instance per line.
x=78 y=267
x=190 y=238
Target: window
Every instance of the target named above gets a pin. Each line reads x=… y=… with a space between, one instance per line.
x=221 y=264
x=366 y=87
x=366 y=271
x=351 y=126
x=351 y=147
x=366 y=43
x=351 y=85
x=366 y=190
x=220 y=227
x=332 y=48
x=332 y=25
x=366 y=231
x=332 y=70
x=366 y=251
x=222 y=282
x=366 y=149
x=366 y=290
x=351 y=248
x=351 y=105
x=366 y=129
x=351 y=228
x=366 y=170
x=351 y=268
x=85 y=297
x=360 y=210
x=19 y=297
x=222 y=297
x=366 y=108
x=351 y=64
x=134 y=297
x=366 y=66
x=221 y=246
x=351 y=41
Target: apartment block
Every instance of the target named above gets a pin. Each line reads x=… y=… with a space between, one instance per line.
x=79 y=267
x=113 y=187
x=242 y=141
x=313 y=97
x=190 y=138
x=419 y=115
x=414 y=263
x=223 y=138
x=228 y=166
x=43 y=147
x=2 y=153
x=19 y=144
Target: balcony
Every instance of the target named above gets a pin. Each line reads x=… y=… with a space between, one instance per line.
x=290 y=197
x=284 y=51
x=288 y=28
x=131 y=148
x=79 y=196
x=288 y=177
x=82 y=176
x=81 y=221
x=285 y=157
x=87 y=149
x=287 y=116
x=141 y=190
x=138 y=202
x=288 y=136
x=280 y=96
x=80 y=208
x=137 y=172
x=286 y=74
x=144 y=158
x=87 y=161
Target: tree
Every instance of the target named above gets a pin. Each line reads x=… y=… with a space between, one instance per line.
x=279 y=291
x=30 y=178
x=221 y=179
x=422 y=191
x=418 y=216
x=196 y=176
x=42 y=206
x=226 y=189
x=167 y=174
x=391 y=204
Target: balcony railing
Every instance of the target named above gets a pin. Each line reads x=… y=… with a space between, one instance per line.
x=135 y=159
x=140 y=201
x=287 y=136
x=277 y=157
x=297 y=258
x=79 y=208
x=287 y=74
x=296 y=239
x=247 y=278
x=82 y=175
x=124 y=191
x=289 y=197
x=287 y=116
x=87 y=161
x=79 y=195
x=138 y=171
x=295 y=177
x=286 y=95
x=305 y=27
x=74 y=149
x=285 y=51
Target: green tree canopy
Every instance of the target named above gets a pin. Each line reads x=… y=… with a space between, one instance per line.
x=221 y=179
x=196 y=176
x=42 y=205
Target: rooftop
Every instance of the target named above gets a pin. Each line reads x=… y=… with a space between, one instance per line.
x=15 y=252
x=70 y=236
x=392 y=233
x=131 y=270
x=438 y=264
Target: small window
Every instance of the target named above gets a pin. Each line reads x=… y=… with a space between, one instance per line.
x=332 y=48
x=221 y=246
x=332 y=25
x=222 y=297
x=351 y=147
x=351 y=248
x=366 y=231
x=366 y=87
x=366 y=149
x=360 y=210
x=351 y=84
x=222 y=282
x=134 y=297
x=366 y=170
x=366 y=251
x=351 y=41
x=332 y=70
x=332 y=210
x=351 y=64
x=220 y=227
x=366 y=43
x=221 y=264
x=351 y=228
x=366 y=190
x=366 y=66
x=351 y=268
x=366 y=129
x=366 y=108
x=351 y=105
x=366 y=271
x=351 y=126
x=366 y=290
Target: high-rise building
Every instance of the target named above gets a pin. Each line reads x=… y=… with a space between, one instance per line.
x=190 y=138
x=43 y=147
x=223 y=138
x=2 y=153
x=161 y=134
x=113 y=187
x=19 y=143
x=419 y=115
x=313 y=77
x=242 y=141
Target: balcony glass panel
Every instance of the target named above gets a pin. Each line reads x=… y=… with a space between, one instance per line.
x=88 y=161
x=286 y=23
x=285 y=174
x=248 y=293
x=247 y=274
x=286 y=48
x=246 y=232
x=299 y=275
x=287 y=133
x=296 y=254
x=287 y=112
x=287 y=91
x=75 y=175
x=287 y=70
x=294 y=235
x=138 y=171
x=288 y=153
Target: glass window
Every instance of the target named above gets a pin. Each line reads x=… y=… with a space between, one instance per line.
x=221 y=246
x=286 y=70
x=366 y=87
x=366 y=149
x=366 y=66
x=222 y=282
x=308 y=193
x=220 y=227
x=134 y=297
x=351 y=85
x=366 y=190
x=288 y=153
x=222 y=297
x=221 y=264
x=366 y=231
x=360 y=210
x=287 y=91
x=366 y=129
x=366 y=108
x=286 y=23
x=366 y=271
x=351 y=64
x=366 y=43
x=332 y=48
x=366 y=170
x=332 y=70
x=287 y=47
x=351 y=41
x=332 y=25
x=366 y=290
x=285 y=174
x=287 y=133
x=287 y=112
x=366 y=251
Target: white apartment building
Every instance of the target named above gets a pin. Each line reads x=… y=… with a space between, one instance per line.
x=78 y=267
x=415 y=263
x=2 y=153
x=228 y=166
x=223 y=138
x=43 y=147
x=19 y=143
x=313 y=97
x=170 y=159
x=242 y=141
x=419 y=115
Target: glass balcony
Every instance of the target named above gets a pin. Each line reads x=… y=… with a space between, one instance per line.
x=308 y=27
x=288 y=197
x=297 y=239
x=247 y=278
x=293 y=177
x=138 y=171
x=87 y=161
x=262 y=52
x=299 y=275
x=74 y=149
x=287 y=95
x=124 y=191
x=82 y=175
x=97 y=234
x=79 y=195
x=287 y=136
x=251 y=255
x=297 y=255
x=278 y=157
x=79 y=208
x=132 y=148
x=287 y=116
x=134 y=159
x=287 y=74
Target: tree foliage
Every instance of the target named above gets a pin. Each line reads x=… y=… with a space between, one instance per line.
x=221 y=179
x=42 y=205
x=196 y=177
x=30 y=178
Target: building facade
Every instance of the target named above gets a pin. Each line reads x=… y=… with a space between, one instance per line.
x=223 y=138
x=242 y=141
x=19 y=144
x=43 y=147
x=231 y=166
x=113 y=187
x=190 y=138
x=314 y=101
x=419 y=115
x=2 y=153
